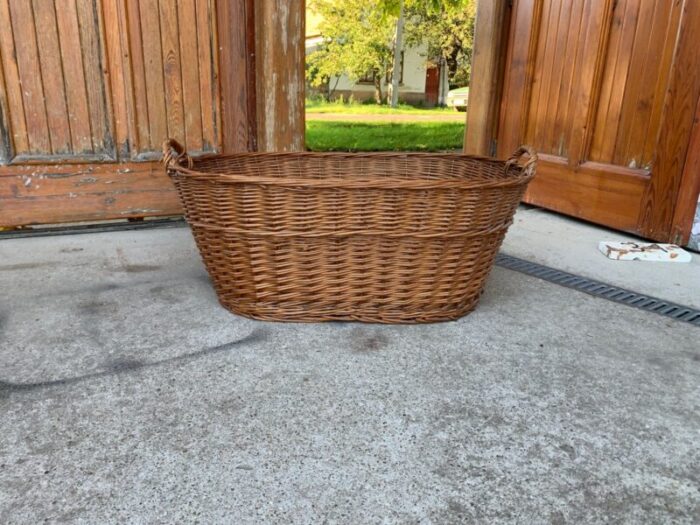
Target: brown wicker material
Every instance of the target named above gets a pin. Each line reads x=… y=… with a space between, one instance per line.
x=380 y=237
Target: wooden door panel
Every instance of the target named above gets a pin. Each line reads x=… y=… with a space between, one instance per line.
x=634 y=81
x=55 y=86
x=550 y=101
x=674 y=137
x=45 y=194
x=606 y=90
x=66 y=65
x=594 y=191
x=170 y=69
x=90 y=89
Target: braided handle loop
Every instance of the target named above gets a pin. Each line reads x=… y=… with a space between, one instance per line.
x=175 y=152
x=531 y=163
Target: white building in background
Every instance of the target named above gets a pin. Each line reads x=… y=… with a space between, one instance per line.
x=420 y=81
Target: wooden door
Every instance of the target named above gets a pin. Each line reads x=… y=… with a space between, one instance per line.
x=432 y=86
x=89 y=89
x=606 y=91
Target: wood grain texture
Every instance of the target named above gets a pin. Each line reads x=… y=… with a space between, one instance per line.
x=172 y=71
x=132 y=34
x=74 y=78
x=689 y=193
x=637 y=62
x=51 y=70
x=279 y=73
x=656 y=214
x=586 y=93
x=6 y=149
x=522 y=43
x=154 y=85
x=484 y=89
x=207 y=33
x=618 y=193
x=13 y=92
x=116 y=68
x=84 y=192
x=174 y=74
x=189 y=52
x=235 y=23
x=589 y=83
x=29 y=67
x=96 y=81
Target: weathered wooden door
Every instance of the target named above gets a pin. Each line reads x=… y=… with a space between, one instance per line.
x=89 y=89
x=607 y=91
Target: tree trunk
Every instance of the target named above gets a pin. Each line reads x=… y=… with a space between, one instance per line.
x=377 y=88
x=396 y=69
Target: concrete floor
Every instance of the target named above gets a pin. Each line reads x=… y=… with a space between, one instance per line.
x=128 y=395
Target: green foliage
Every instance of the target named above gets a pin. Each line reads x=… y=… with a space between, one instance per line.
x=447 y=28
x=383 y=136
x=356 y=39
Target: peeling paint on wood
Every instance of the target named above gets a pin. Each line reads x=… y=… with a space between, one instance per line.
x=279 y=27
x=60 y=197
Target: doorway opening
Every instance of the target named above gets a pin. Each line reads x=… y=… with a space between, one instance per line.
x=387 y=76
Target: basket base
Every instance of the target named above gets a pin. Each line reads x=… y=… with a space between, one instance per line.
x=311 y=314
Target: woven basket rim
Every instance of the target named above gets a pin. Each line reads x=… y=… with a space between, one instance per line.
x=517 y=174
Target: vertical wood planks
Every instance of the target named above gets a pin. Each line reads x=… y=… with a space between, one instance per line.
x=172 y=71
x=684 y=212
x=238 y=115
x=13 y=93
x=191 y=73
x=677 y=121
x=483 y=90
x=279 y=29
x=154 y=86
x=27 y=53
x=207 y=30
x=73 y=73
x=91 y=42
x=174 y=74
x=51 y=68
x=132 y=40
x=6 y=151
x=83 y=88
x=522 y=45
x=55 y=73
x=117 y=73
x=635 y=77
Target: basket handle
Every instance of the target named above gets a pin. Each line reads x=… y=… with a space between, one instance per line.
x=173 y=151
x=518 y=154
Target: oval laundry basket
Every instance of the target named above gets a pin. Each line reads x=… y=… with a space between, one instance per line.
x=379 y=237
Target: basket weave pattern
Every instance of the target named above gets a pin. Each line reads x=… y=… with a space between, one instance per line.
x=380 y=237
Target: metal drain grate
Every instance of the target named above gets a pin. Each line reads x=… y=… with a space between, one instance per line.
x=599 y=289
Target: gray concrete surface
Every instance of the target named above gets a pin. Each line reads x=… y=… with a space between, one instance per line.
x=571 y=245
x=128 y=395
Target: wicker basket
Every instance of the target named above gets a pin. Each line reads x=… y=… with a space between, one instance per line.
x=379 y=237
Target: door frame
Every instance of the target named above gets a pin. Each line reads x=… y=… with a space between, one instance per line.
x=666 y=207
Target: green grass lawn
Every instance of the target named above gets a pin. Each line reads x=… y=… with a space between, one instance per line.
x=354 y=108
x=383 y=136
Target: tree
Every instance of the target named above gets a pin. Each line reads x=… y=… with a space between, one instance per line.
x=447 y=28
x=357 y=37
x=420 y=12
x=367 y=36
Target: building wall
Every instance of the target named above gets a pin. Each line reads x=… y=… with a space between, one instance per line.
x=413 y=76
